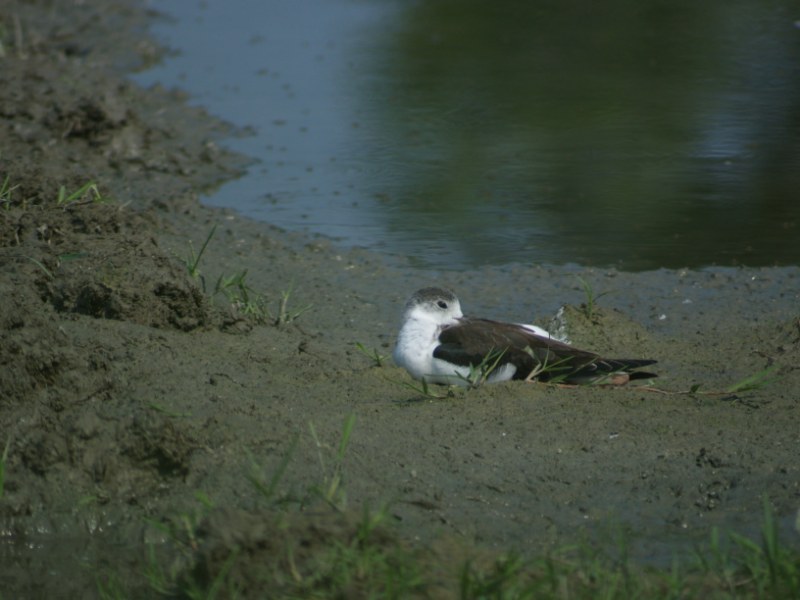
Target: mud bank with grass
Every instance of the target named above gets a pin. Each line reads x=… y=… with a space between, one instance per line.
x=174 y=421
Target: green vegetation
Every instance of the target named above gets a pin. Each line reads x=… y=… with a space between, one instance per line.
x=7 y=192
x=88 y=193
x=3 y=460
x=423 y=388
x=332 y=490
x=479 y=374
x=588 y=306
x=181 y=531
x=338 y=553
x=556 y=371
x=39 y=264
x=242 y=298
x=192 y=261
x=165 y=411
x=85 y=194
x=267 y=490
x=377 y=358
x=754 y=381
x=745 y=568
x=284 y=315
x=750 y=383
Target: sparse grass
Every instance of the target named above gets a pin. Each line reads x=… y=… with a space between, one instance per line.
x=192 y=261
x=556 y=371
x=743 y=567
x=243 y=298
x=218 y=584
x=86 y=194
x=181 y=532
x=39 y=264
x=182 y=528
x=16 y=42
x=479 y=374
x=3 y=461
x=503 y=580
x=423 y=388
x=331 y=489
x=590 y=298
x=160 y=579
x=164 y=410
x=254 y=305
x=365 y=566
x=754 y=381
x=376 y=358
x=476 y=377
x=7 y=192
x=365 y=560
x=750 y=383
x=285 y=315
x=109 y=587
x=734 y=567
x=267 y=489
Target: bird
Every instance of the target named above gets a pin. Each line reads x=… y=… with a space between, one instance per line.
x=438 y=344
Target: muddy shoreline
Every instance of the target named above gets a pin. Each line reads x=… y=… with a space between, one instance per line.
x=132 y=394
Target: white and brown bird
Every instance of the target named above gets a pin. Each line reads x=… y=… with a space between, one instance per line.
x=439 y=344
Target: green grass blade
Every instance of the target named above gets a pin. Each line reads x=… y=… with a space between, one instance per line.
x=347 y=430
x=268 y=490
x=3 y=460
x=754 y=381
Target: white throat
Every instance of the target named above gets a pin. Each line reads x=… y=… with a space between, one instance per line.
x=419 y=335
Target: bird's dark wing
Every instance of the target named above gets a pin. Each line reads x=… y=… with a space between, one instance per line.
x=471 y=341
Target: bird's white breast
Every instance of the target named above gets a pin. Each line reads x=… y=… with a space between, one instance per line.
x=415 y=344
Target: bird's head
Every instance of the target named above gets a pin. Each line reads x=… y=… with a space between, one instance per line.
x=436 y=305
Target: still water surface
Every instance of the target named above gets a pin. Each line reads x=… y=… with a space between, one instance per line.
x=639 y=135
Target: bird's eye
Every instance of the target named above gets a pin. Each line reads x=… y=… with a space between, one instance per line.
x=442 y=304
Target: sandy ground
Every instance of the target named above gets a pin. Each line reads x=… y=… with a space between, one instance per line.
x=131 y=395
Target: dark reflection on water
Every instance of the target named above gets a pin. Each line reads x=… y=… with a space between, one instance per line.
x=642 y=135
x=659 y=134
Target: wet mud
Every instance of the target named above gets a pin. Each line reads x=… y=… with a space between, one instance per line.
x=133 y=396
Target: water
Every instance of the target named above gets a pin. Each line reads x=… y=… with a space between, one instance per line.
x=645 y=135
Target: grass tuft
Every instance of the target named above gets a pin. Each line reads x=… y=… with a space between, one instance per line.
x=479 y=374
x=267 y=489
x=590 y=298
x=744 y=567
x=750 y=383
x=6 y=192
x=754 y=381
x=192 y=262
x=423 y=388
x=377 y=359
x=39 y=264
x=332 y=490
x=243 y=298
x=86 y=194
x=303 y=554
x=556 y=371
x=284 y=315
x=3 y=461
